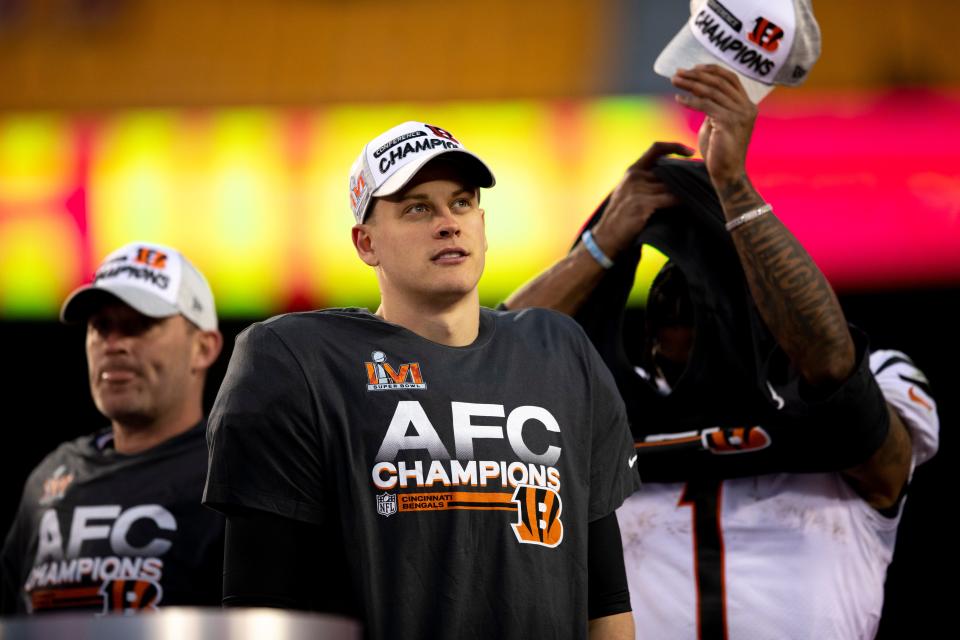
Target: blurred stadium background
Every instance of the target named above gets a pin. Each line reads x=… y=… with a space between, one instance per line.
x=226 y=128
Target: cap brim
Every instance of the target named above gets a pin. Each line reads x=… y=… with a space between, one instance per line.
x=85 y=301
x=685 y=51
x=478 y=171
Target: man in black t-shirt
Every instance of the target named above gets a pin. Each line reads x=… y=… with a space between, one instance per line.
x=112 y=522
x=435 y=469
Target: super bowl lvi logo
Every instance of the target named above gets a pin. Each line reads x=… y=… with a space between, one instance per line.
x=382 y=376
x=55 y=487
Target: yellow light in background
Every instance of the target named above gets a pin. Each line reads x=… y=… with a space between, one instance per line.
x=651 y=261
x=211 y=185
x=132 y=188
x=245 y=231
x=619 y=131
x=35 y=158
x=38 y=265
x=257 y=198
x=40 y=243
x=527 y=210
x=336 y=139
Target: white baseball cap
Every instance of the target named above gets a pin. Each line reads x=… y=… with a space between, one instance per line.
x=155 y=280
x=765 y=42
x=389 y=161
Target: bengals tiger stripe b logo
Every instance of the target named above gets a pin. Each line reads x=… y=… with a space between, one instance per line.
x=122 y=596
x=538 y=516
x=766 y=34
x=151 y=258
x=442 y=133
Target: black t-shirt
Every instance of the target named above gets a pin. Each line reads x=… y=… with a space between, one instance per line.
x=102 y=531
x=462 y=479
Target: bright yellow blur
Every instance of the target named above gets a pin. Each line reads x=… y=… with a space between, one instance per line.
x=257 y=198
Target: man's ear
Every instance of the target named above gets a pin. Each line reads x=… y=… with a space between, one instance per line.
x=207 y=346
x=363 y=243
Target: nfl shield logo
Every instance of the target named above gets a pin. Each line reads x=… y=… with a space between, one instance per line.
x=386 y=504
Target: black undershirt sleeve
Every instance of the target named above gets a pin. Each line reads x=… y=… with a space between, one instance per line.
x=272 y=561
x=8 y=596
x=608 y=593
x=10 y=559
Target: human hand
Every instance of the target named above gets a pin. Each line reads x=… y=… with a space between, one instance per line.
x=725 y=135
x=635 y=199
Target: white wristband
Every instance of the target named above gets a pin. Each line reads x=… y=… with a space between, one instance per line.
x=595 y=250
x=744 y=218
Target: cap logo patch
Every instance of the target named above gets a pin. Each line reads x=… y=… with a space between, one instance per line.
x=357 y=185
x=151 y=258
x=726 y=14
x=414 y=134
x=766 y=34
x=442 y=133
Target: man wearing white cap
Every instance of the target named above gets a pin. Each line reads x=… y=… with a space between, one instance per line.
x=436 y=469
x=775 y=449
x=112 y=522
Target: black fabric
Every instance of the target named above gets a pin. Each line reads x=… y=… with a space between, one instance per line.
x=463 y=479
x=106 y=532
x=703 y=496
x=720 y=385
x=607 y=583
x=271 y=561
x=8 y=591
x=734 y=357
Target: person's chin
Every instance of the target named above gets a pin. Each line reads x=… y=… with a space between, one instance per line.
x=452 y=290
x=120 y=408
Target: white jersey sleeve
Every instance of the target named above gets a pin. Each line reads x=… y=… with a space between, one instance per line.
x=907 y=390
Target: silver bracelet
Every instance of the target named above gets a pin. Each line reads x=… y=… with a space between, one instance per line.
x=595 y=250
x=753 y=214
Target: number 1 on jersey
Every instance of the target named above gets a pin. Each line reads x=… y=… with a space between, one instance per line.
x=704 y=499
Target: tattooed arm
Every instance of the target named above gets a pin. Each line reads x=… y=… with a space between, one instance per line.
x=793 y=297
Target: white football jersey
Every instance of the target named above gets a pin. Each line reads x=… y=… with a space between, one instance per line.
x=796 y=556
